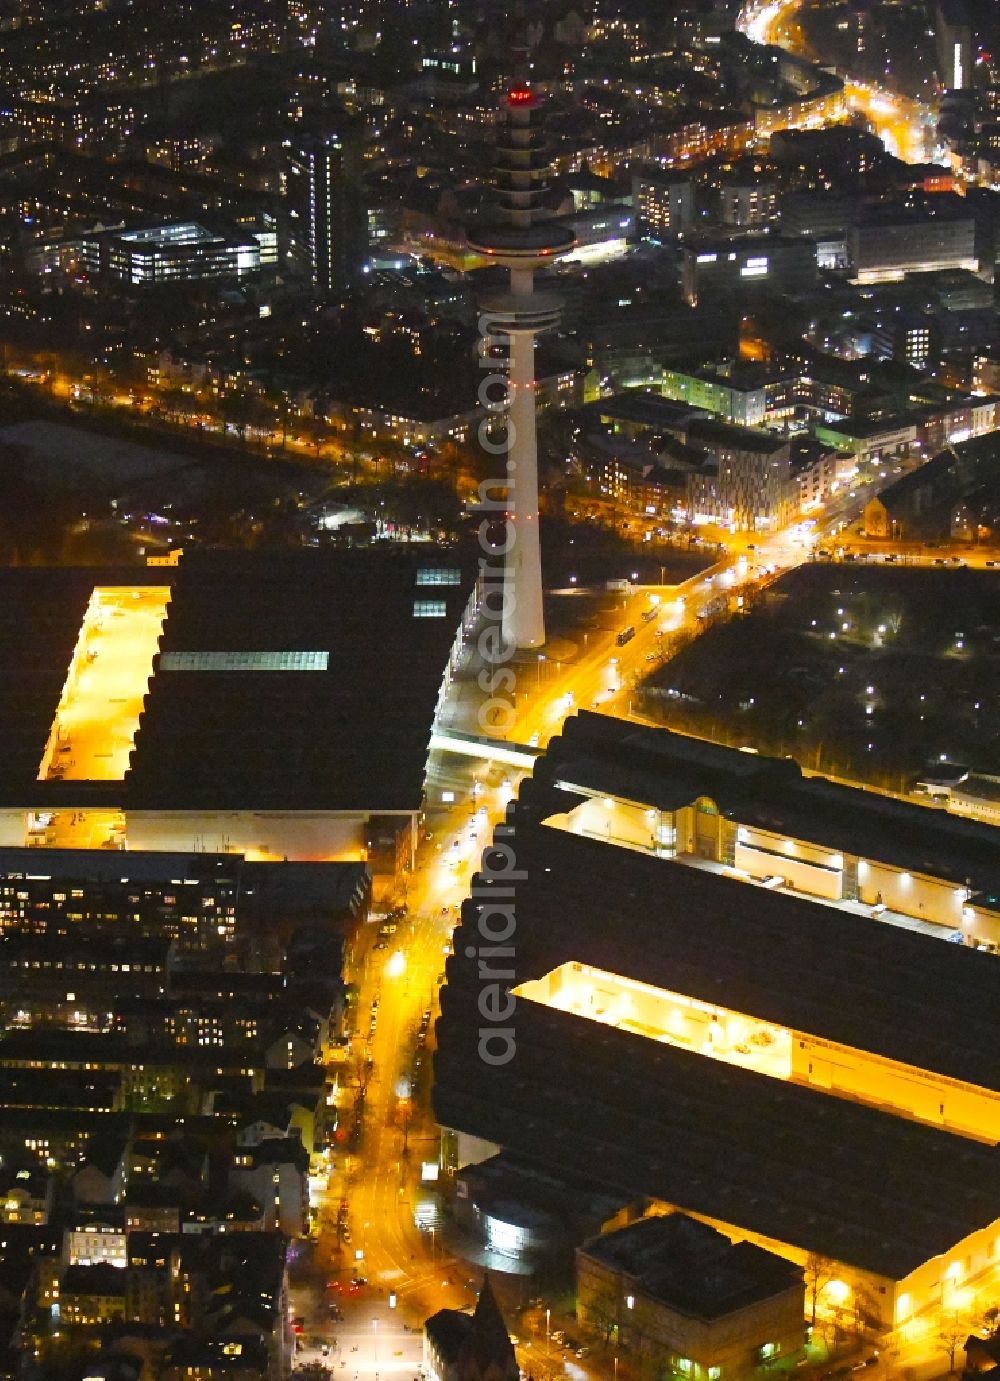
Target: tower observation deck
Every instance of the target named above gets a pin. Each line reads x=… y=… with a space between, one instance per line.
x=522 y=237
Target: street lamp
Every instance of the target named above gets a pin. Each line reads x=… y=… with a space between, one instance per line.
x=548 y=1315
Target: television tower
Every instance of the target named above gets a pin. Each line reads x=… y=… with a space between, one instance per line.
x=522 y=238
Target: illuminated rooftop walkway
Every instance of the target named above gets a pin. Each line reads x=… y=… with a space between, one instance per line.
x=766 y=1048
x=660 y=1015
x=98 y=714
x=610 y=821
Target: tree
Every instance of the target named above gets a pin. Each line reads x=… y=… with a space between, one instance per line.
x=955 y=1328
x=178 y=404
x=819 y=1271
x=867 y=1318
x=280 y=410
x=238 y=410
x=318 y=432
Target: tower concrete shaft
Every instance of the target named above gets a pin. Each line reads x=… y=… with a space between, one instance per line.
x=523 y=611
x=522 y=239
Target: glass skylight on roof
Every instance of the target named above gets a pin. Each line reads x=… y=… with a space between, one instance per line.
x=429 y=608
x=438 y=575
x=245 y=661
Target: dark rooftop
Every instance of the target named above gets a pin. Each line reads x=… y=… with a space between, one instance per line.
x=789 y=1162
x=346 y=729
x=712 y=432
x=354 y=735
x=784 y=959
x=692 y=1268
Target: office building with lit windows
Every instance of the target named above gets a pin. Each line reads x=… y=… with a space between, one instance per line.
x=180 y=252
x=747 y=482
x=733 y=994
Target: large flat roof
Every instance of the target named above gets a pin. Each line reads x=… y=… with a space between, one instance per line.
x=787 y=1161
x=647 y=1118
x=285 y=681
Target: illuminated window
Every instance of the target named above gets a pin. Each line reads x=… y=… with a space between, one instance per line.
x=429 y=609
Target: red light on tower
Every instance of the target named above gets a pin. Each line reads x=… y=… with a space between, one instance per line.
x=519 y=95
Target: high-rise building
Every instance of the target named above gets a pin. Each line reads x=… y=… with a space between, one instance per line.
x=663 y=202
x=522 y=238
x=954 y=44
x=328 y=227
